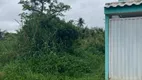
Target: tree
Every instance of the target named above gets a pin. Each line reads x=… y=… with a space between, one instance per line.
x=49 y=41
x=41 y=18
x=81 y=22
x=48 y=7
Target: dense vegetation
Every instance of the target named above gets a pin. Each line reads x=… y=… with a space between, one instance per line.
x=50 y=48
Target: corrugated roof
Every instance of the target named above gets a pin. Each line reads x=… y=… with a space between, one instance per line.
x=122 y=4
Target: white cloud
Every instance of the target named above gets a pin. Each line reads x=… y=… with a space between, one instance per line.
x=9 y=26
x=9 y=11
x=90 y=10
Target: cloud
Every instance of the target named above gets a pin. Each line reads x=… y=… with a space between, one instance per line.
x=90 y=10
x=9 y=26
x=9 y=11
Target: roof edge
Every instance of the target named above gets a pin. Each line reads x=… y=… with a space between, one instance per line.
x=122 y=4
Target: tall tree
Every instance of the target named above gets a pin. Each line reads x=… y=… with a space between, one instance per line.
x=52 y=7
x=41 y=21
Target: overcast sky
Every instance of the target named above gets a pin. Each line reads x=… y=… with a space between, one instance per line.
x=91 y=10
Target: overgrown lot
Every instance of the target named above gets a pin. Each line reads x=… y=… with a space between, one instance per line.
x=50 y=48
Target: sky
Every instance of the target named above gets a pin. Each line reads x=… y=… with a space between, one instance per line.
x=91 y=11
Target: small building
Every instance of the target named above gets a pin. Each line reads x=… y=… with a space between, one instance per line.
x=123 y=40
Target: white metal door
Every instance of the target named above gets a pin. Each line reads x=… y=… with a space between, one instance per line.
x=125 y=49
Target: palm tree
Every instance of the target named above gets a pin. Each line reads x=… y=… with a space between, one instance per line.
x=81 y=22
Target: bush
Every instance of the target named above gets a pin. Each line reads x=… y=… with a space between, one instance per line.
x=56 y=64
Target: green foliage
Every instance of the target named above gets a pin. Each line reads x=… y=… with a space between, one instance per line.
x=7 y=48
x=49 y=48
x=65 y=37
x=66 y=65
x=45 y=7
x=53 y=65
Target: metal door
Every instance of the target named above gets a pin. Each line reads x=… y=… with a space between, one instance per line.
x=125 y=48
